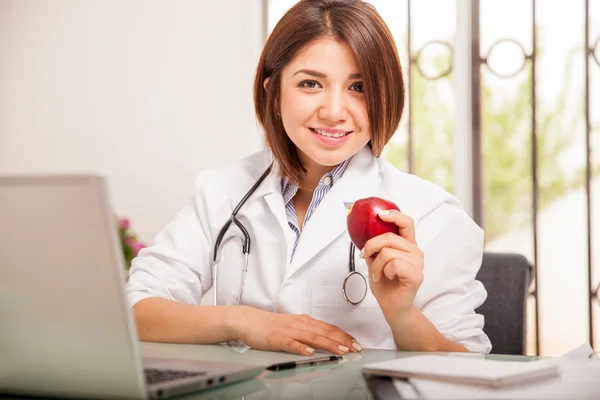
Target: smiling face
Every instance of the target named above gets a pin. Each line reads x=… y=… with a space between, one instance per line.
x=323 y=106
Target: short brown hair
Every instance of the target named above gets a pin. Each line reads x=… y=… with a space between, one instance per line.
x=355 y=23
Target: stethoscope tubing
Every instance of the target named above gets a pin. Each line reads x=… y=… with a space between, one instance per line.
x=247 y=243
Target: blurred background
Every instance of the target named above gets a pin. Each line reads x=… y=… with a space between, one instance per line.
x=148 y=93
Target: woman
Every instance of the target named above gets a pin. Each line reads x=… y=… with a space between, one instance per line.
x=329 y=94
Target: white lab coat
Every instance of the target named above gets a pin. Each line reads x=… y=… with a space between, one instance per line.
x=178 y=265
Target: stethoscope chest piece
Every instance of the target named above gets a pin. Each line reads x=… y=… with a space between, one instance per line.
x=354 y=288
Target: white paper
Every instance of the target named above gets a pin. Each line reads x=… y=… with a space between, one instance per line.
x=579 y=380
x=490 y=371
x=583 y=351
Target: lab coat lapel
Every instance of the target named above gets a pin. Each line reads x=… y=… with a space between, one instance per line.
x=329 y=219
x=270 y=190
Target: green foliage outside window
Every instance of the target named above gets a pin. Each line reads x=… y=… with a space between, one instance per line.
x=506 y=142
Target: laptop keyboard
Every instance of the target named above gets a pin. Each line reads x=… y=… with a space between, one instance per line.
x=154 y=375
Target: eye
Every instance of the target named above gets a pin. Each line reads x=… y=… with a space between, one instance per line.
x=309 y=84
x=357 y=87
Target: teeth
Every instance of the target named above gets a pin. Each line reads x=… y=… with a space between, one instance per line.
x=333 y=135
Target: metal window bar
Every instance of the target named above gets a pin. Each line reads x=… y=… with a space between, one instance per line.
x=476 y=149
x=534 y=165
x=589 y=55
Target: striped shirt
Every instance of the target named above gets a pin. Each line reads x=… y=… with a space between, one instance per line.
x=289 y=190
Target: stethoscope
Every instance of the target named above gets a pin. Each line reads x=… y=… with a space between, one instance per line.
x=354 y=287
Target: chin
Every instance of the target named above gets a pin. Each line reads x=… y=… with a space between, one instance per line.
x=329 y=158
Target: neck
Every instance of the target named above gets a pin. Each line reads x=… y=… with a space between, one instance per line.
x=311 y=179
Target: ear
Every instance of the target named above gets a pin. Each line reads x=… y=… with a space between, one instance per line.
x=266 y=82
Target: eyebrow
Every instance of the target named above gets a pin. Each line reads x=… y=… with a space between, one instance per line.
x=318 y=74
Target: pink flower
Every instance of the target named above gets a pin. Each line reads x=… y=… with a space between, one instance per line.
x=131 y=242
x=124 y=222
x=137 y=246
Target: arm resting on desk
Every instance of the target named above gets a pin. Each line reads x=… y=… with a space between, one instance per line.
x=413 y=331
x=163 y=320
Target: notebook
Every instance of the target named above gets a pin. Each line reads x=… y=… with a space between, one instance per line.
x=466 y=370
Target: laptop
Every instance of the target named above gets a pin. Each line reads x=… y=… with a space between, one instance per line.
x=65 y=327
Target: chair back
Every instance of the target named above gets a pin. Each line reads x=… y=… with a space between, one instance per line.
x=506 y=277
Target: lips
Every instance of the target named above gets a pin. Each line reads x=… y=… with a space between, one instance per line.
x=331 y=133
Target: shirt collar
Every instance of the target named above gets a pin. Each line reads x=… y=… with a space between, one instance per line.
x=289 y=190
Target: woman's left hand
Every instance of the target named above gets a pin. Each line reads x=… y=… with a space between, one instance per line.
x=395 y=265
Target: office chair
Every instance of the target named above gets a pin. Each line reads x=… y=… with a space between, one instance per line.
x=507 y=278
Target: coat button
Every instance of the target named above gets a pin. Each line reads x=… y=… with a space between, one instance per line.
x=327 y=181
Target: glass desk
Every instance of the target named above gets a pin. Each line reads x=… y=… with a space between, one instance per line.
x=342 y=380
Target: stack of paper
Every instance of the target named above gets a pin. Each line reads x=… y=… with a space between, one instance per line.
x=574 y=375
x=465 y=370
x=578 y=380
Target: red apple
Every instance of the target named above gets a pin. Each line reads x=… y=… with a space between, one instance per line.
x=364 y=223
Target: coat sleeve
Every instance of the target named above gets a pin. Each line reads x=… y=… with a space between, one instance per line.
x=450 y=294
x=177 y=266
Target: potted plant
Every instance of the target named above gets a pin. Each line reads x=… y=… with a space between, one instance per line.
x=129 y=241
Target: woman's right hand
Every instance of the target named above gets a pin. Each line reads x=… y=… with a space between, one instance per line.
x=300 y=334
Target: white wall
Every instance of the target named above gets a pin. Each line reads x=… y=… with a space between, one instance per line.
x=145 y=92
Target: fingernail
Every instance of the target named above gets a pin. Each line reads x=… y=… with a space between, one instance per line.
x=357 y=346
x=383 y=212
x=343 y=348
x=362 y=253
x=373 y=276
x=310 y=350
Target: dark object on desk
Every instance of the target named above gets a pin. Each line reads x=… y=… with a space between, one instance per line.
x=506 y=277
x=382 y=388
x=308 y=363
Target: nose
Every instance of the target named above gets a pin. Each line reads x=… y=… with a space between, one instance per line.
x=334 y=106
